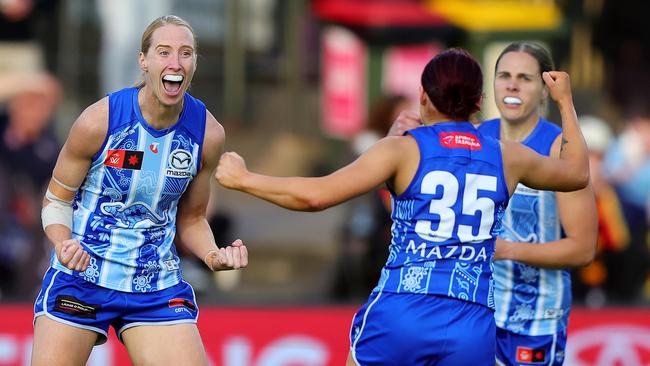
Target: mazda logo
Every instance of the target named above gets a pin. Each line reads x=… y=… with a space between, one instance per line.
x=180 y=159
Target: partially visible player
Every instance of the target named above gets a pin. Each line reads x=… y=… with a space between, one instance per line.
x=134 y=173
x=449 y=185
x=546 y=232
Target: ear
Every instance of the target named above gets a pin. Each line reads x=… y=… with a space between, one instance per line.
x=423 y=97
x=544 y=91
x=143 y=62
x=479 y=103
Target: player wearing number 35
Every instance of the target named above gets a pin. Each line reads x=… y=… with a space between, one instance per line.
x=449 y=186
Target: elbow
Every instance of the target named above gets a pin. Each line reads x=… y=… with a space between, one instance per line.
x=586 y=257
x=314 y=204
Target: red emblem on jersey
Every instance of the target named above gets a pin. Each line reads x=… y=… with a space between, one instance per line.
x=154 y=147
x=460 y=140
x=529 y=355
x=124 y=159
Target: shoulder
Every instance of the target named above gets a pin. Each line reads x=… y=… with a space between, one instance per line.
x=490 y=127
x=92 y=123
x=213 y=140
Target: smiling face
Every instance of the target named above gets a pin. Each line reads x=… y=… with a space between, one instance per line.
x=169 y=63
x=518 y=88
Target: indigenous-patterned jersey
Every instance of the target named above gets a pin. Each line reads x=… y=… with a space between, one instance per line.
x=125 y=210
x=531 y=300
x=444 y=223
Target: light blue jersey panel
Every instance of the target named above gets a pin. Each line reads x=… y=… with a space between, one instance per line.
x=125 y=210
x=531 y=300
x=444 y=224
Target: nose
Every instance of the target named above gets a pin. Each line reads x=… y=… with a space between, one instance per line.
x=174 y=62
x=512 y=85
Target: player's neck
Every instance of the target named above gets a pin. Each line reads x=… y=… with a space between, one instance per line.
x=518 y=130
x=158 y=115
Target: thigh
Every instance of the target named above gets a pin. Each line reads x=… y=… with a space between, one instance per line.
x=57 y=344
x=178 y=345
x=519 y=349
x=74 y=302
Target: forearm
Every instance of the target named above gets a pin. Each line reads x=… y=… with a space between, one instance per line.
x=57 y=234
x=564 y=253
x=573 y=147
x=196 y=236
x=294 y=193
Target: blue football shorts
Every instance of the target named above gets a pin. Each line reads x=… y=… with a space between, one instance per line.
x=73 y=301
x=519 y=349
x=414 y=329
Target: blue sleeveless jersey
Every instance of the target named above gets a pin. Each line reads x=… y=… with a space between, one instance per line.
x=531 y=300
x=444 y=224
x=125 y=210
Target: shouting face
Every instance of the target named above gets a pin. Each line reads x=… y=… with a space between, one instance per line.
x=169 y=63
x=518 y=88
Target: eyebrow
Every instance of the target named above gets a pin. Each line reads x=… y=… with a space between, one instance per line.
x=518 y=74
x=168 y=46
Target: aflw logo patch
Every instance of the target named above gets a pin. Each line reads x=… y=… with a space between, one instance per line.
x=462 y=140
x=124 y=159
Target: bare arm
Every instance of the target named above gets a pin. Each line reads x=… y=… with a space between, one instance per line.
x=374 y=167
x=568 y=173
x=192 y=226
x=577 y=211
x=84 y=140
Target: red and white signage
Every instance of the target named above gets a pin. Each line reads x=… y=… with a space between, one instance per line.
x=319 y=337
x=403 y=66
x=609 y=337
x=344 y=82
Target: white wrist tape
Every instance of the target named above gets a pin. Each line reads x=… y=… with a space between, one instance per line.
x=58 y=211
x=63 y=185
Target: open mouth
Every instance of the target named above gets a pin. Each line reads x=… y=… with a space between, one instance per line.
x=512 y=101
x=172 y=83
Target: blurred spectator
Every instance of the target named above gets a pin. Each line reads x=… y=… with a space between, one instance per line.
x=121 y=23
x=627 y=167
x=591 y=283
x=28 y=99
x=365 y=235
x=27 y=154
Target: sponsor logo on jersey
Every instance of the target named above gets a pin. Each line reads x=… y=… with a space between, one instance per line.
x=460 y=140
x=180 y=162
x=436 y=252
x=154 y=147
x=124 y=159
x=529 y=355
x=72 y=306
x=178 y=302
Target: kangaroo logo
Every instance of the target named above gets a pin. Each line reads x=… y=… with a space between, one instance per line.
x=180 y=159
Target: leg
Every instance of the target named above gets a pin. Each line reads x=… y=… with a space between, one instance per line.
x=177 y=344
x=60 y=344
x=350 y=361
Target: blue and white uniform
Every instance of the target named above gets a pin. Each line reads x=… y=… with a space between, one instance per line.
x=434 y=300
x=531 y=301
x=125 y=211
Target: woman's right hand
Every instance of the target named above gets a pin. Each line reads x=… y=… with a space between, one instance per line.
x=72 y=255
x=231 y=170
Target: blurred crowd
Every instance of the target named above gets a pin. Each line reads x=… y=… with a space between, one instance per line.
x=30 y=95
